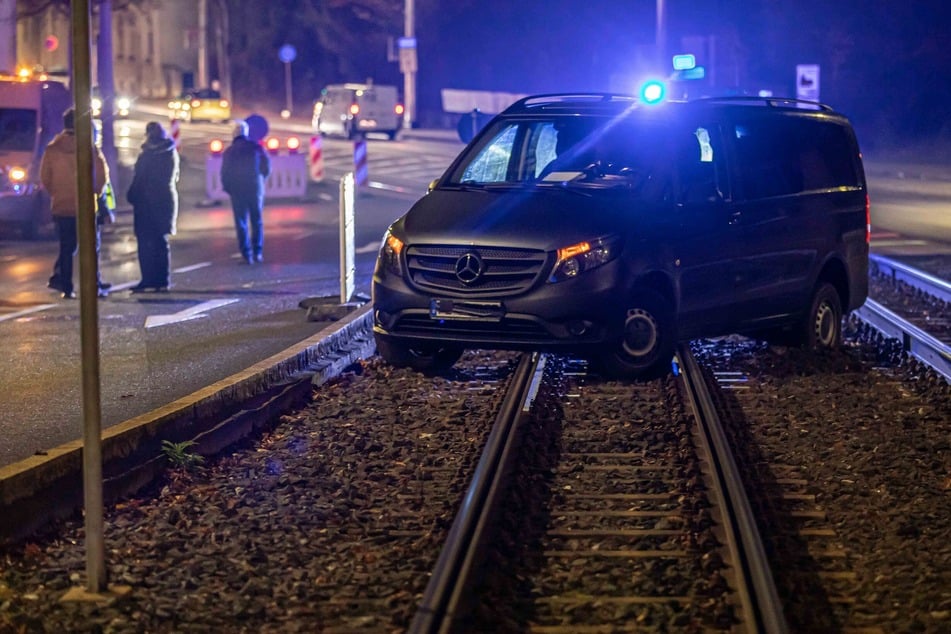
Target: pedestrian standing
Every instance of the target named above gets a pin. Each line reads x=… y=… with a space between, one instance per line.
x=244 y=167
x=153 y=195
x=58 y=175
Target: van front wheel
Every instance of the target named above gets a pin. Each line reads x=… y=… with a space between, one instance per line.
x=430 y=358
x=647 y=343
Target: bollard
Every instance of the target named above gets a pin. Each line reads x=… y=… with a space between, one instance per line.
x=348 y=267
x=360 y=172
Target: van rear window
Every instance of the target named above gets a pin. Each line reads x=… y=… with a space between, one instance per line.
x=778 y=158
x=17 y=129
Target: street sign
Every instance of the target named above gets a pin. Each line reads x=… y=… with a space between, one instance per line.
x=807 y=82
x=684 y=62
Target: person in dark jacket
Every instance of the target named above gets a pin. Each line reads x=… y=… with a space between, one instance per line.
x=154 y=198
x=244 y=167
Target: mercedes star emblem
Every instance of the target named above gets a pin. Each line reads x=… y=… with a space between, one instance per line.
x=469 y=268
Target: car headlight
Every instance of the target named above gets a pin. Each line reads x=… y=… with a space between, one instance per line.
x=388 y=261
x=123 y=103
x=16 y=174
x=582 y=257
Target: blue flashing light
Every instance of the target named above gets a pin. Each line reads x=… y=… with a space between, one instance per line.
x=684 y=62
x=653 y=91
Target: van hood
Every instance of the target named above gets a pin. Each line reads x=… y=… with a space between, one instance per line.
x=545 y=218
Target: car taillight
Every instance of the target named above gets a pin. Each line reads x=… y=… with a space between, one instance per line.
x=399 y=108
x=868 y=219
x=223 y=103
x=354 y=109
x=195 y=103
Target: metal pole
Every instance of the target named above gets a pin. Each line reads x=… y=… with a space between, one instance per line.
x=409 y=77
x=202 y=44
x=661 y=35
x=287 y=86
x=107 y=87
x=88 y=296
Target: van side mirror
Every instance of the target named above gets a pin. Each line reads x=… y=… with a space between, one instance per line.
x=432 y=185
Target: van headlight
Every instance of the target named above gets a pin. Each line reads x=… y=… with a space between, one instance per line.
x=388 y=260
x=576 y=259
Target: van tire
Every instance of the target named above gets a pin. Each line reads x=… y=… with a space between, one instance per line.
x=821 y=328
x=432 y=358
x=646 y=348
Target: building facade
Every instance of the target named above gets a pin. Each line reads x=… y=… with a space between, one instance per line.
x=156 y=45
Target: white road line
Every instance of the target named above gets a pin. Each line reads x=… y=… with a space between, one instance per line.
x=194 y=312
x=27 y=311
x=193 y=267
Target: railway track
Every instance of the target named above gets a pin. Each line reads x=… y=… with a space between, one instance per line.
x=913 y=308
x=621 y=508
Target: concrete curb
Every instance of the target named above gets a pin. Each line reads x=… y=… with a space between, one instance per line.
x=42 y=488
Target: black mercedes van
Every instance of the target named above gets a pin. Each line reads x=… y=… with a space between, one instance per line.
x=596 y=224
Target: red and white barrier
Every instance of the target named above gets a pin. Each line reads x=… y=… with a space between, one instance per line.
x=175 y=125
x=316 y=159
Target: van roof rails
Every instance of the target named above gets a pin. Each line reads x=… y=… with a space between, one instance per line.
x=772 y=102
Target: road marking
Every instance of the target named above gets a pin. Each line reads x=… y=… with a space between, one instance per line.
x=193 y=267
x=27 y=311
x=189 y=313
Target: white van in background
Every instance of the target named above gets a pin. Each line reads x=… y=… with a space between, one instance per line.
x=31 y=114
x=353 y=110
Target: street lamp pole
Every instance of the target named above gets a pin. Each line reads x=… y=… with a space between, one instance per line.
x=661 y=33
x=408 y=63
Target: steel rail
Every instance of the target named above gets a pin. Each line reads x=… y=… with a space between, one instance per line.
x=444 y=600
x=913 y=340
x=759 y=597
x=919 y=279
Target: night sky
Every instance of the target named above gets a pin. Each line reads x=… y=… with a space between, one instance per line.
x=885 y=63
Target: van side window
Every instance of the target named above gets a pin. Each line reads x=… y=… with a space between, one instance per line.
x=697 y=160
x=779 y=158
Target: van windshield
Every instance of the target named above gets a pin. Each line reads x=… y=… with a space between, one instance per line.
x=591 y=151
x=17 y=129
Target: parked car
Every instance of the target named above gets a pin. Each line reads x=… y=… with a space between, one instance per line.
x=353 y=110
x=606 y=227
x=200 y=105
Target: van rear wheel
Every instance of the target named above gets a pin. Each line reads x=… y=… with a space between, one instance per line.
x=646 y=346
x=428 y=358
x=821 y=328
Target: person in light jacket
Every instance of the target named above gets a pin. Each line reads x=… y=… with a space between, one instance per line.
x=153 y=195
x=244 y=167
x=58 y=175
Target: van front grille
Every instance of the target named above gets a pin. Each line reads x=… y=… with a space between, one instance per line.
x=469 y=270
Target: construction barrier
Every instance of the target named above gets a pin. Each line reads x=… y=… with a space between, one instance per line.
x=316 y=159
x=360 y=171
x=288 y=177
x=176 y=127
